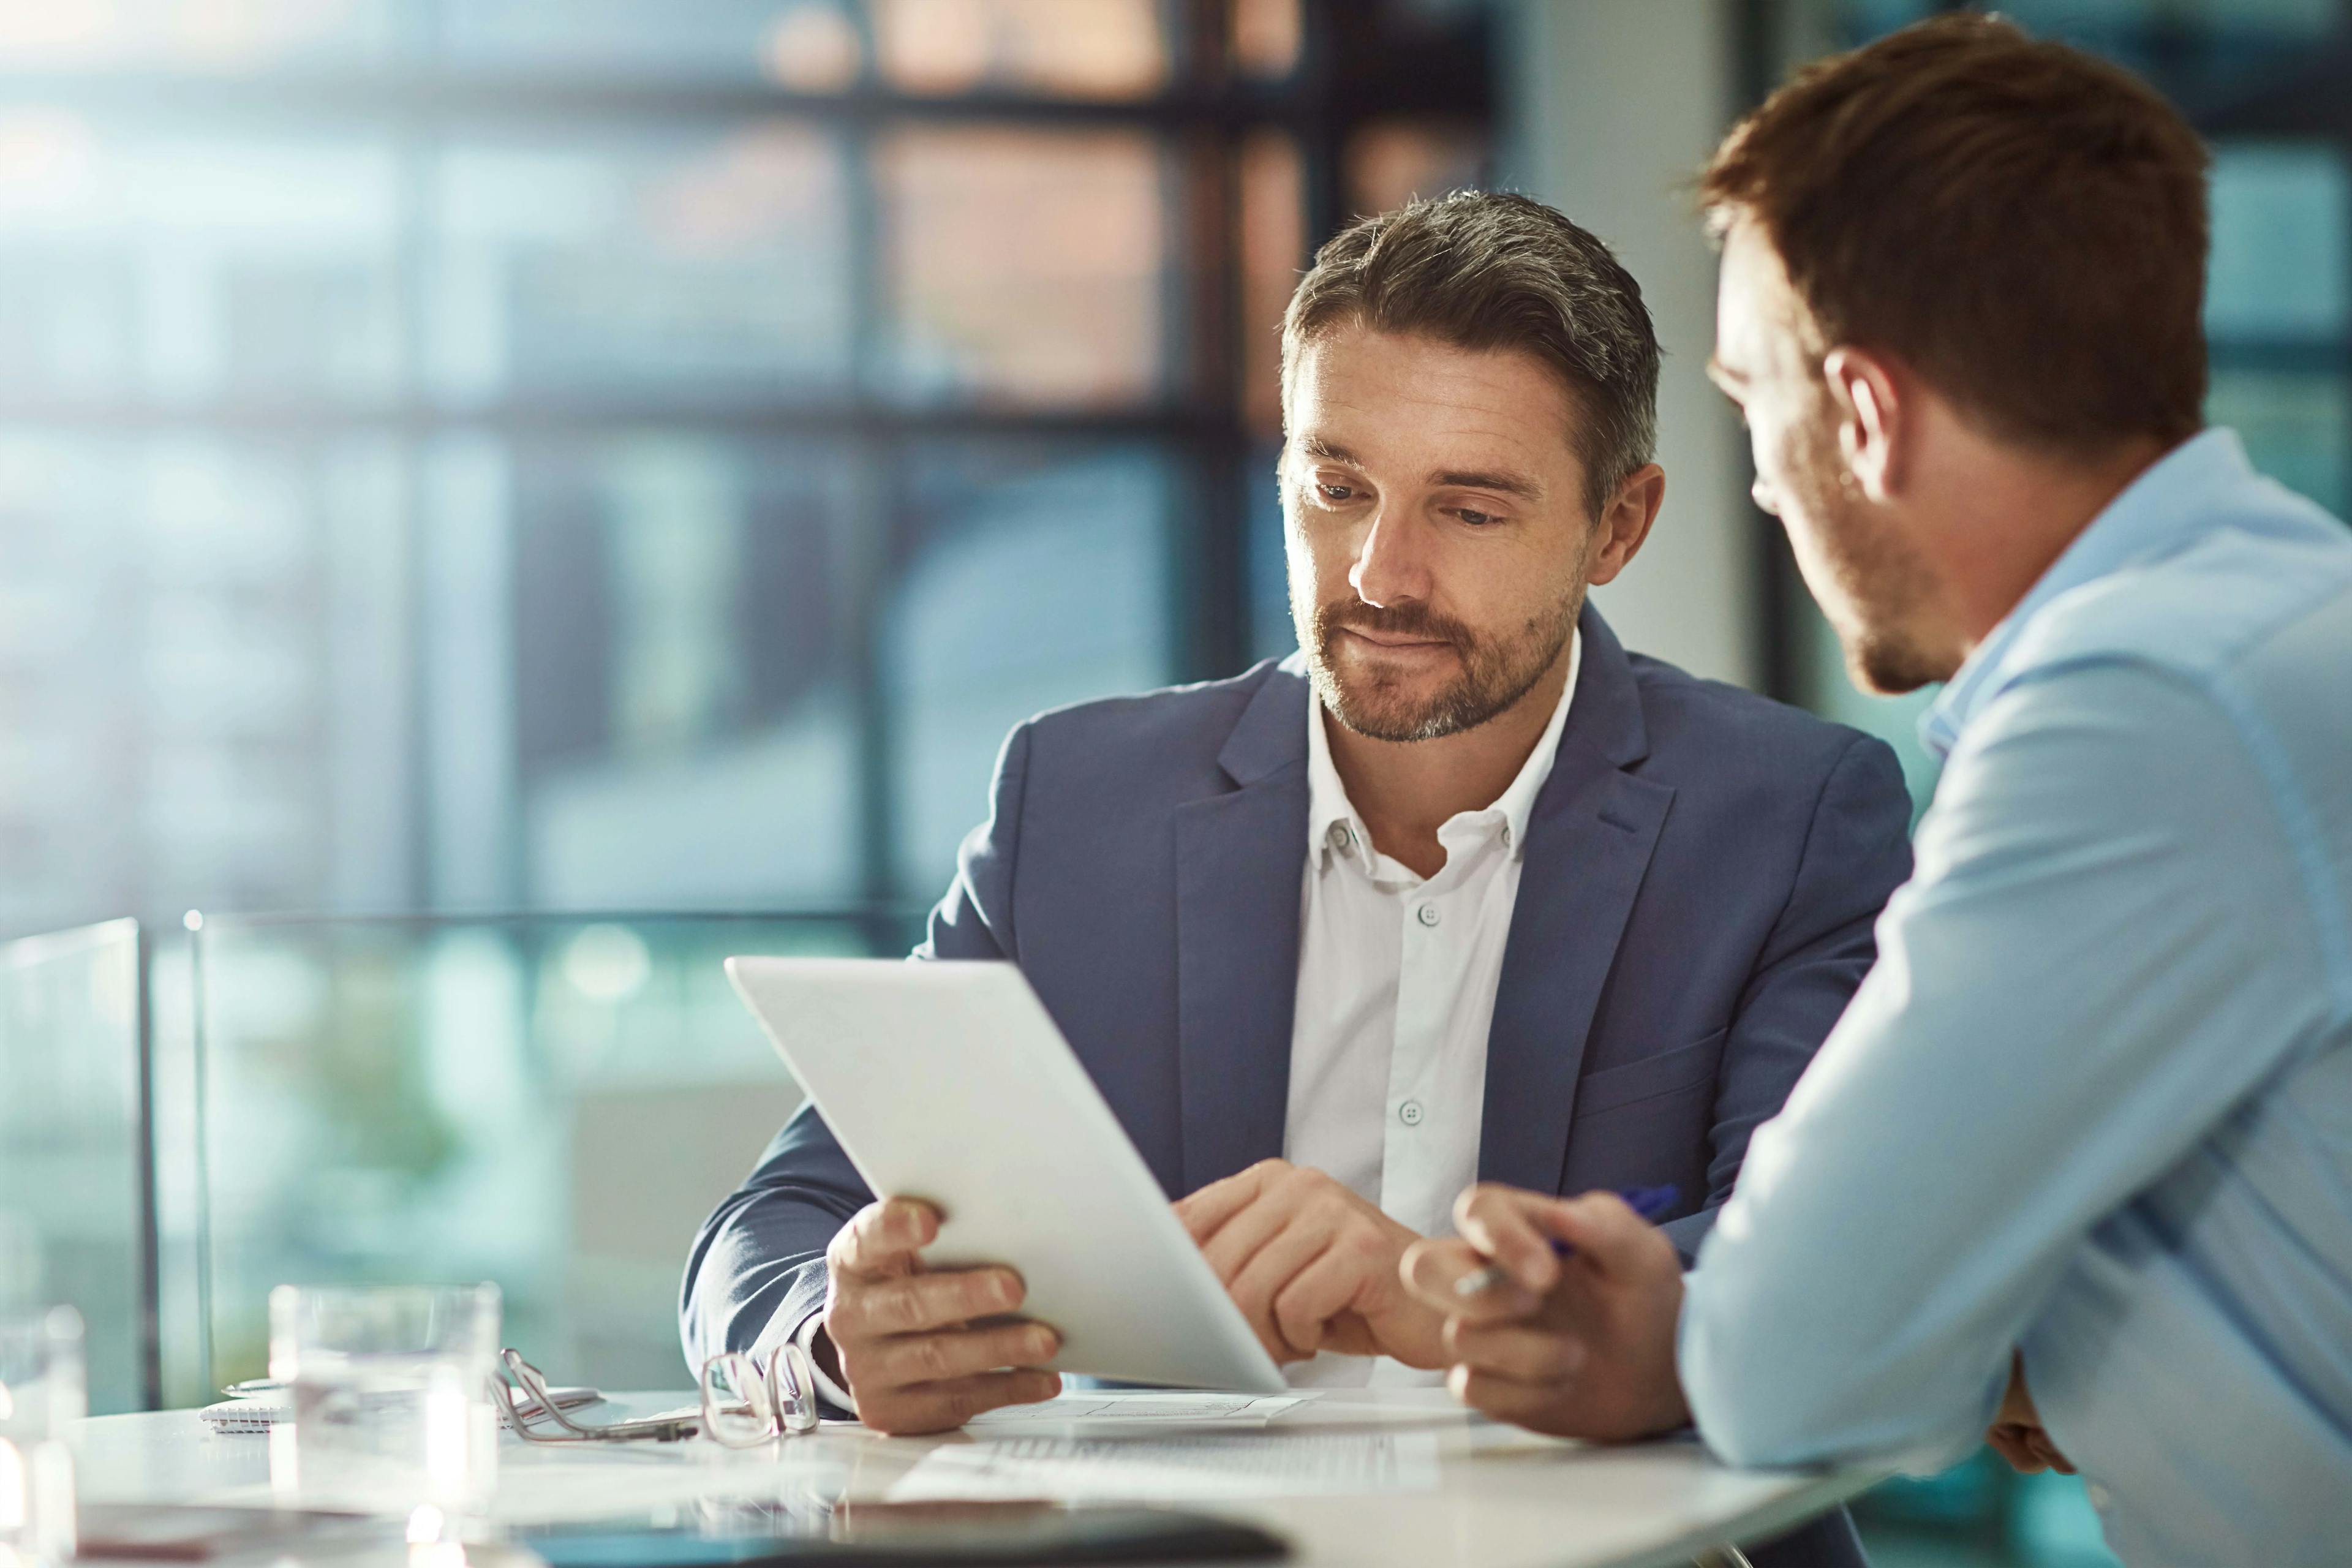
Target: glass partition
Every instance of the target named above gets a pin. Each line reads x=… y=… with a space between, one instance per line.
x=72 y=1166
x=553 y=1103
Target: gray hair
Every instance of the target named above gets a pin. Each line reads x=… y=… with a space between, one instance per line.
x=1482 y=270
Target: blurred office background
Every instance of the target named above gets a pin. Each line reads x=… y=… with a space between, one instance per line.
x=504 y=501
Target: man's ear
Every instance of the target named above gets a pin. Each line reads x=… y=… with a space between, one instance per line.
x=1624 y=522
x=1872 y=418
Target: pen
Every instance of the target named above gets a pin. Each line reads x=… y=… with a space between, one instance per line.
x=1647 y=1202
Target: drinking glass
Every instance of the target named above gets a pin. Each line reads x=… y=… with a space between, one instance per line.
x=392 y=1399
x=41 y=1394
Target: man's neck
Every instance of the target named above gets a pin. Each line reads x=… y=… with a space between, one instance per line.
x=2020 y=518
x=1406 y=790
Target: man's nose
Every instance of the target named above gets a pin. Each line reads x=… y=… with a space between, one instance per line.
x=1392 y=564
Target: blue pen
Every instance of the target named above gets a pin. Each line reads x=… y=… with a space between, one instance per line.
x=1650 y=1203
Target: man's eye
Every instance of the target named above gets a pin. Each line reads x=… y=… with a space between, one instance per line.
x=1336 y=493
x=1474 y=519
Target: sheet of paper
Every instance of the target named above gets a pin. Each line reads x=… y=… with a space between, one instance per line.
x=1123 y=1404
x=1175 y=1469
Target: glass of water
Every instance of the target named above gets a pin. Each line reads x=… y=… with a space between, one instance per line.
x=391 y=1399
x=41 y=1394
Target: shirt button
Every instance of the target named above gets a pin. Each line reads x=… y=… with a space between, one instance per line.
x=1506 y=836
x=1340 y=837
x=1410 y=1113
x=2098 y=1494
x=1427 y=914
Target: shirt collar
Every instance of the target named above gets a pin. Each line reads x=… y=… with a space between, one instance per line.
x=2153 y=515
x=1327 y=797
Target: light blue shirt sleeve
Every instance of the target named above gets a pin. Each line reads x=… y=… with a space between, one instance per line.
x=2107 y=946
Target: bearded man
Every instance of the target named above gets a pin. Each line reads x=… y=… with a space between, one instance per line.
x=1461 y=890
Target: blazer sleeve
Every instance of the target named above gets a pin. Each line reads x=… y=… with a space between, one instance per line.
x=757 y=1271
x=1857 y=852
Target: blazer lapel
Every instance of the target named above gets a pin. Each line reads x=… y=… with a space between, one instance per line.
x=1590 y=839
x=1238 y=861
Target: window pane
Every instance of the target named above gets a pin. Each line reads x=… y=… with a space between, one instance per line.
x=2306 y=18
x=1041 y=579
x=1026 y=265
x=685 y=262
x=392 y=1102
x=1272 y=634
x=682 y=713
x=69 y=1138
x=196 y=35
x=811 y=45
x=1391 y=162
x=1082 y=48
x=2298 y=429
x=2282 y=261
x=1266 y=37
x=1273 y=254
x=184 y=265
x=201 y=662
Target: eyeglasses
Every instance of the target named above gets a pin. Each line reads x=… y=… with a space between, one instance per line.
x=741 y=1407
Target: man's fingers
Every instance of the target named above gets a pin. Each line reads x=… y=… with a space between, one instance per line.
x=1238 y=1239
x=1545 y=1406
x=940 y=1406
x=1272 y=1270
x=1304 y=1305
x=2008 y=1440
x=883 y=1236
x=1518 y=1351
x=1604 y=1231
x=1504 y=1223
x=919 y=1304
x=1434 y=1270
x=1206 y=1211
x=906 y=1359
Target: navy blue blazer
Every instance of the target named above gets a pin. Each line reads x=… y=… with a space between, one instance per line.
x=1702 y=869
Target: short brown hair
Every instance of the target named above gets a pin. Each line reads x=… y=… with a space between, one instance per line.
x=2022 y=225
x=1482 y=270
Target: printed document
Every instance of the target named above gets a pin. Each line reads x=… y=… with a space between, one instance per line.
x=1174 y=1469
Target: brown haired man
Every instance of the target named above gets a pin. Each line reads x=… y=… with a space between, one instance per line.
x=2078 y=1158
x=1462 y=889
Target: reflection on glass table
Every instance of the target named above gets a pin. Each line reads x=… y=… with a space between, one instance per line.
x=549 y=1103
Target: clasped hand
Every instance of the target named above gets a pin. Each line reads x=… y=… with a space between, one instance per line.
x=1312 y=1265
x=1579 y=1346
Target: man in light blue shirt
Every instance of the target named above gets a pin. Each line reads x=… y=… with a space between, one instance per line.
x=2078 y=1158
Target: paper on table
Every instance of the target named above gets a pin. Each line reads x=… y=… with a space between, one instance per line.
x=1174 y=1469
x=1121 y=1404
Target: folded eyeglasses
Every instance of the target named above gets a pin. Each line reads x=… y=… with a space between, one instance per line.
x=743 y=1405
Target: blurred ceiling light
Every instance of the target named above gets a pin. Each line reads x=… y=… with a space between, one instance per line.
x=812 y=50
x=1090 y=49
x=1267 y=36
x=607 y=963
x=47 y=159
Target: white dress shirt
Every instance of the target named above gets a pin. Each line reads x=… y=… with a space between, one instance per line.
x=1396 y=992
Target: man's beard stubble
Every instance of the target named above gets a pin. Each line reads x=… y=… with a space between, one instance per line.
x=1495 y=675
x=1888 y=593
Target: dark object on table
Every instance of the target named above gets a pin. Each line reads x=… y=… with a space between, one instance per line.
x=913 y=1534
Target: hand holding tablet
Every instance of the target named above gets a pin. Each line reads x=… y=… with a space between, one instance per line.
x=948 y=1083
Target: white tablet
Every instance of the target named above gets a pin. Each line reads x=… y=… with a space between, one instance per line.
x=947 y=1081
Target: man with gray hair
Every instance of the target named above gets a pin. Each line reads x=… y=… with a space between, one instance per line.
x=1461 y=890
